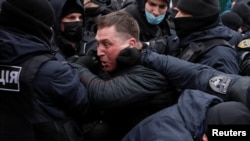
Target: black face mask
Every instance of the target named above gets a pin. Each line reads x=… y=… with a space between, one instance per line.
x=186 y=25
x=73 y=31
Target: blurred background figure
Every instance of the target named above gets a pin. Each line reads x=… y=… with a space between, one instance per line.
x=232 y=20
x=242 y=8
x=70 y=34
x=94 y=8
x=152 y=16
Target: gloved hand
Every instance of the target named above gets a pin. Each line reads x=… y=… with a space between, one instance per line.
x=129 y=56
x=72 y=59
x=89 y=62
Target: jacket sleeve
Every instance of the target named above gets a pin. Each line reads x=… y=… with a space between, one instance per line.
x=61 y=91
x=223 y=59
x=180 y=73
x=128 y=88
x=186 y=75
x=183 y=74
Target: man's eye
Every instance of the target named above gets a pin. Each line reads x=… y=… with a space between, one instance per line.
x=106 y=44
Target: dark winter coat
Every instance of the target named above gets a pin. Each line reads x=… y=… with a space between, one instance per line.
x=58 y=92
x=127 y=96
x=182 y=121
x=222 y=58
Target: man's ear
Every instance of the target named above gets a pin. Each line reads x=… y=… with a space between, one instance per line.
x=132 y=42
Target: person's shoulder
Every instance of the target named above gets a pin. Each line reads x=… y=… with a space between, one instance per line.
x=142 y=71
x=56 y=67
x=139 y=68
x=225 y=48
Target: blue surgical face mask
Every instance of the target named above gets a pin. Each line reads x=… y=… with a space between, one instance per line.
x=152 y=19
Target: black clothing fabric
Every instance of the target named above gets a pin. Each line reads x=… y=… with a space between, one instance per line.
x=128 y=57
x=202 y=77
x=119 y=105
x=29 y=18
x=34 y=104
x=91 y=13
x=186 y=25
x=125 y=96
x=204 y=25
x=244 y=61
x=187 y=119
x=238 y=114
x=45 y=13
x=101 y=2
x=45 y=106
x=220 y=57
x=182 y=121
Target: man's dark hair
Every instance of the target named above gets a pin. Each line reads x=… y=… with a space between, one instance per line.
x=122 y=21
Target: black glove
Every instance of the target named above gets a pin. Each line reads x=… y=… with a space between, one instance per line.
x=129 y=56
x=72 y=59
x=89 y=62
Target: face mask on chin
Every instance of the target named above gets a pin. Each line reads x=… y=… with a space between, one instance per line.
x=152 y=19
x=73 y=31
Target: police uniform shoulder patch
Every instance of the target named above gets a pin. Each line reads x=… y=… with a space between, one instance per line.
x=244 y=44
x=9 y=78
x=219 y=83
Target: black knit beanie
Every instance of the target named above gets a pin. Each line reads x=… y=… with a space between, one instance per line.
x=231 y=20
x=30 y=16
x=71 y=7
x=199 y=8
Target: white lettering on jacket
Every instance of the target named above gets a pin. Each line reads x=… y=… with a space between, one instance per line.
x=9 y=78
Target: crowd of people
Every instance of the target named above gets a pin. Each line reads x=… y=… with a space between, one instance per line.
x=123 y=70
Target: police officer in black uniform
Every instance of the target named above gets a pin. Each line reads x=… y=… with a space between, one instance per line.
x=41 y=97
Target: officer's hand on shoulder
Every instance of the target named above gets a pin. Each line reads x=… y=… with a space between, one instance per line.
x=129 y=56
